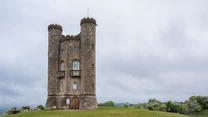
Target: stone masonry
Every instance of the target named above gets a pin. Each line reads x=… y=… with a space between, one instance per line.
x=72 y=67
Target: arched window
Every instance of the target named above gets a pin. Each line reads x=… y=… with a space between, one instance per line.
x=75 y=86
x=61 y=85
x=62 y=66
x=76 y=65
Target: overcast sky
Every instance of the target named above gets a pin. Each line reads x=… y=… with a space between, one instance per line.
x=145 y=48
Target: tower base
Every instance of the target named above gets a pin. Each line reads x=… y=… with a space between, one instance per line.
x=88 y=102
x=56 y=102
x=82 y=102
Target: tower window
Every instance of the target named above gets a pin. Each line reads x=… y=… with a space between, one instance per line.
x=93 y=46
x=76 y=65
x=93 y=66
x=76 y=48
x=61 y=85
x=62 y=66
x=67 y=101
x=75 y=86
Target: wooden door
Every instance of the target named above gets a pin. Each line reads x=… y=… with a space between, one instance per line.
x=75 y=103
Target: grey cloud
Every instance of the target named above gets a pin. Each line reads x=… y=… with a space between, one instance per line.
x=145 y=49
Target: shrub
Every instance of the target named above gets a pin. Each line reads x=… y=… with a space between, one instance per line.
x=41 y=107
x=139 y=106
x=161 y=107
x=109 y=103
x=26 y=107
x=144 y=105
x=153 y=103
x=126 y=106
x=184 y=109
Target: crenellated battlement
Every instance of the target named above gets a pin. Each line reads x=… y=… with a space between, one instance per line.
x=57 y=26
x=92 y=20
x=70 y=37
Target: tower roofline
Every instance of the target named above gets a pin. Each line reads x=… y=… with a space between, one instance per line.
x=70 y=37
x=57 y=26
x=85 y=20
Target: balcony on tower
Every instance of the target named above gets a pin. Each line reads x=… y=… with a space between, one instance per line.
x=75 y=73
x=60 y=74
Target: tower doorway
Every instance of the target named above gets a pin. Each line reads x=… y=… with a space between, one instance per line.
x=75 y=103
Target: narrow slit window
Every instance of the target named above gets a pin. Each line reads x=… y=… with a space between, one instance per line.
x=93 y=46
x=76 y=48
x=61 y=85
x=93 y=66
x=93 y=85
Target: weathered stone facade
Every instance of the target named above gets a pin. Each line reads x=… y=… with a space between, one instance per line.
x=71 y=67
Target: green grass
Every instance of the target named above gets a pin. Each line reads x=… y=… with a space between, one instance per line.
x=203 y=113
x=101 y=112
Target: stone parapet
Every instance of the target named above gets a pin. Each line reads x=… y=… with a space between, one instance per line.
x=70 y=37
x=91 y=20
x=56 y=26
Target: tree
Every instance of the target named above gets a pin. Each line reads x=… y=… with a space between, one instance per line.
x=193 y=106
x=172 y=107
x=109 y=103
x=202 y=100
x=41 y=107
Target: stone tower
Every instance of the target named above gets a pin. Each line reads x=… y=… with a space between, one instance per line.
x=72 y=67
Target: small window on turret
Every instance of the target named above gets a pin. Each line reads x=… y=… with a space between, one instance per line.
x=61 y=85
x=93 y=46
x=76 y=48
x=93 y=66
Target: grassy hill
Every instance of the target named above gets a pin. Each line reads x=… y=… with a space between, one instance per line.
x=101 y=112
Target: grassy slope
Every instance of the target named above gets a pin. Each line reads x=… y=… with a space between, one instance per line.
x=101 y=112
x=203 y=113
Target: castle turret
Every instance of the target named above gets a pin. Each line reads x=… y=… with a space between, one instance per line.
x=88 y=63
x=54 y=35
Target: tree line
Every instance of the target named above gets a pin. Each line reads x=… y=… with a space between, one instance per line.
x=191 y=106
